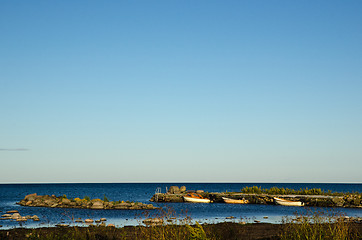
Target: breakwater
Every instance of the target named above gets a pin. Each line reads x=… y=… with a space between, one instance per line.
x=34 y=200
x=346 y=200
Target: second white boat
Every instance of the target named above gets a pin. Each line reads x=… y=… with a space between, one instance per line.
x=285 y=202
x=196 y=200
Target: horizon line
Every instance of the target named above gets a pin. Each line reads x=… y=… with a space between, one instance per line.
x=177 y=182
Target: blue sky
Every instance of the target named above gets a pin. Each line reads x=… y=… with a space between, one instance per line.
x=179 y=91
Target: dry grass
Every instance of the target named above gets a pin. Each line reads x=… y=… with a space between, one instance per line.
x=318 y=226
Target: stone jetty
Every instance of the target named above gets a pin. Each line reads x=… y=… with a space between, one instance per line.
x=34 y=200
x=347 y=200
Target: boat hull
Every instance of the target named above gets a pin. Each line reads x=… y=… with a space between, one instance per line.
x=234 y=201
x=196 y=200
x=284 y=202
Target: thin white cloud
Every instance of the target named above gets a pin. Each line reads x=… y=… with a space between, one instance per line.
x=14 y=149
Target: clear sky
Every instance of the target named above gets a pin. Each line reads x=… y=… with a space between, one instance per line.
x=178 y=91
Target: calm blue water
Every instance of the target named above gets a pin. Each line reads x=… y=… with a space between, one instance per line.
x=142 y=192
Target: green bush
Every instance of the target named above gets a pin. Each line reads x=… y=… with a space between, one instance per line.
x=285 y=191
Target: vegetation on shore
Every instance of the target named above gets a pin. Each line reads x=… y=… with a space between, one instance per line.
x=319 y=226
x=286 y=191
x=312 y=226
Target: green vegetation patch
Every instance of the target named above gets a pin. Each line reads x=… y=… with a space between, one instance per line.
x=287 y=191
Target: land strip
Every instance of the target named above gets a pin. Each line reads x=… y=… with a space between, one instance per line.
x=335 y=200
x=34 y=200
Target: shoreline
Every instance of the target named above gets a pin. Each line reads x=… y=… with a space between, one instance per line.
x=225 y=230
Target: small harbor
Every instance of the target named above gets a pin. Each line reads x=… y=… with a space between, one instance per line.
x=345 y=200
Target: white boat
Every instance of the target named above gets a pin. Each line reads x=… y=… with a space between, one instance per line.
x=235 y=201
x=196 y=200
x=285 y=202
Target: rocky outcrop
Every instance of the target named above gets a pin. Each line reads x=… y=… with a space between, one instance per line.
x=17 y=217
x=34 y=200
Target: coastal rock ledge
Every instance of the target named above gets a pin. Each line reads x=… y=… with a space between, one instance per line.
x=34 y=200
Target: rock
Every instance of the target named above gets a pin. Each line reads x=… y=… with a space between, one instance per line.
x=153 y=221
x=122 y=206
x=12 y=211
x=6 y=215
x=31 y=197
x=49 y=202
x=199 y=191
x=28 y=203
x=88 y=221
x=97 y=221
x=21 y=219
x=65 y=201
x=15 y=216
x=149 y=206
x=173 y=190
x=111 y=225
x=35 y=218
x=97 y=205
x=103 y=224
x=103 y=219
x=183 y=189
x=338 y=201
x=62 y=225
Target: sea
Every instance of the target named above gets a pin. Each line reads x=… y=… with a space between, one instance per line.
x=10 y=194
